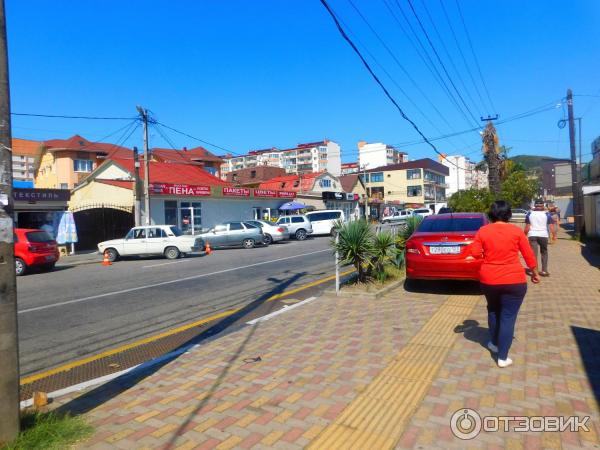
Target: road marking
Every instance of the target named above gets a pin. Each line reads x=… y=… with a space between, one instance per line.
x=164 y=283
x=285 y=308
x=149 y=339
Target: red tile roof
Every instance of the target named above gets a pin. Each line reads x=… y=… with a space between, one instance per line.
x=197 y=154
x=119 y=183
x=81 y=144
x=291 y=182
x=25 y=147
x=348 y=182
x=174 y=173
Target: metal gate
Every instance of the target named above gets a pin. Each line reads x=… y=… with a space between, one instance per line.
x=100 y=222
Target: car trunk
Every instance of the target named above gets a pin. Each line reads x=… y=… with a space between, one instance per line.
x=442 y=246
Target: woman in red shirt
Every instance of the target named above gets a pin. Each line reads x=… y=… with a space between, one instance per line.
x=502 y=278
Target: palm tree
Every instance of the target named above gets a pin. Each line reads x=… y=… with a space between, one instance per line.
x=492 y=157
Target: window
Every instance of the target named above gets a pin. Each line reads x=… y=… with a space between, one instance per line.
x=253 y=174
x=251 y=225
x=136 y=233
x=413 y=174
x=156 y=233
x=82 y=165
x=220 y=228
x=176 y=231
x=325 y=183
x=377 y=177
x=297 y=220
x=432 y=176
x=38 y=236
x=171 y=212
x=454 y=224
x=235 y=226
x=64 y=186
x=414 y=191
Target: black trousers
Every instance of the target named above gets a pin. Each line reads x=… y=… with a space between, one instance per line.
x=542 y=243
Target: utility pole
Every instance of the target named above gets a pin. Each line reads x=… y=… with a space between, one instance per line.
x=144 y=115
x=575 y=174
x=364 y=167
x=138 y=188
x=9 y=350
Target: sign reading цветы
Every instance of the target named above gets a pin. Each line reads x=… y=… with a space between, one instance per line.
x=179 y=189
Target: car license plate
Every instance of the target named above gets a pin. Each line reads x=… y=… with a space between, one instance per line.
x=49 y=258
x=445 y=250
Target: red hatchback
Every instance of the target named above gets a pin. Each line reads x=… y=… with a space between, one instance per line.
x=34 y=248
x=438 y=249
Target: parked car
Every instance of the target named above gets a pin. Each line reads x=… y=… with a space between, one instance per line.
x=323 y=222
x=423 y=212
x=166 y=240
x=439 y=247
x=271 y=232
x=234 y=234
x=445 y=210
x=34 y=248
x=298 y=226
x=518 y=215
x=398 y=216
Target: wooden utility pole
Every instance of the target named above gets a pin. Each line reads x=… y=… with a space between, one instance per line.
x=144 y=115
x=9 y=350
x=137 y=188
x=575 y=173
x=492 y=158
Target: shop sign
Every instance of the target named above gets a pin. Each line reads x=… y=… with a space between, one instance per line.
x=265 y=193
x=236 y=192
x=286 y=194
x=179 y=189
x=41 y=195
x=340 y=196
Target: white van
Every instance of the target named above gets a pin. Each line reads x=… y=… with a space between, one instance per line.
x=324 y=221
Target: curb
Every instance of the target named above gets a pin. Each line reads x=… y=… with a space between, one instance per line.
x=369 y=295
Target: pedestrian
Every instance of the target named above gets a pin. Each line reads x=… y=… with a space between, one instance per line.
x=555 y=214
x=537 y=223
x=502 y=278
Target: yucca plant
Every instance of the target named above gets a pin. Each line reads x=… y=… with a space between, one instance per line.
x=383 y=246
x=411 y=225
x=355 y=246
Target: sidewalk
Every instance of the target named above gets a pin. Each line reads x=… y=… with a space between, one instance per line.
x=353 y=373
x=85 y=257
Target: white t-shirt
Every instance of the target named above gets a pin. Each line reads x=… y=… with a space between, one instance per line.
x=538 y=221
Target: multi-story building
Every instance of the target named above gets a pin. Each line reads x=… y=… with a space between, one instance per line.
x=415 y=183
x=349 y=168
x=25 y=154
x=379 y=154
x=556 y=178
x=463 y=174
x=304 y=158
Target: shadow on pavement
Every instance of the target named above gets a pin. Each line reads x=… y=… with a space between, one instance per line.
x=447 y=287
x=588 y=341
x=113 y=388
x=591 y=252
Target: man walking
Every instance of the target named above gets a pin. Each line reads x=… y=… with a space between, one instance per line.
x=537 y=223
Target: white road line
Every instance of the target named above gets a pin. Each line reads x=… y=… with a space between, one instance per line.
x=285 y=308
x=163 y=283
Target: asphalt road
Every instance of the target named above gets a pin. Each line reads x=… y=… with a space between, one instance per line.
x=79 y=311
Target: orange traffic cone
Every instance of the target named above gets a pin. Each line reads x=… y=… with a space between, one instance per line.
x=207 y=249
x=106 y=261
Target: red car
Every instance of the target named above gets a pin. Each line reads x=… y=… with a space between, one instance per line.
x=438 y=249
x=34 y=248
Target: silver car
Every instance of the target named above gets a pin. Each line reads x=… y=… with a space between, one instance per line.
x=518 y=215
x=299 y=226
x=271 y=232
x=234 y=234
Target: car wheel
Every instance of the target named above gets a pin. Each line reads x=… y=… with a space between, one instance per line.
x=20 y=267
x=172 y=253
x=267 y=239
x=248 y=243
x=301 y=234
x=112 y=254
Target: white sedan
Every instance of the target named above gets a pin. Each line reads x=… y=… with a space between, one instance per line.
x=166 y=240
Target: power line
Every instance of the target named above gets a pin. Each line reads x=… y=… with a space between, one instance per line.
x=198 y=139
x=370 y=70
x=475 y=56
x=440 y=61
x=71 y=117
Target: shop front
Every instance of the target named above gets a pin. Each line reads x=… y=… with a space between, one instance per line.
x=39 y=208
x=345 y=201
x=197 y=208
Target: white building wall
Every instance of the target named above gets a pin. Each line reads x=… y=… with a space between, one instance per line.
x=372 y=155
x=334 y=158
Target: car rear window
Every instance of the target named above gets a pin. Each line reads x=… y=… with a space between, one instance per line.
x=297 y=220
x=38 y=236
x=176 y=231
x=251 y=225
x=451 y=224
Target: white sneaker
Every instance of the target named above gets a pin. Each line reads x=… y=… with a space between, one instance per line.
x=504 y=362
x=492 y=348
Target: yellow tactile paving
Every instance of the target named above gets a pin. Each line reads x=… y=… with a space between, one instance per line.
x=376 y=418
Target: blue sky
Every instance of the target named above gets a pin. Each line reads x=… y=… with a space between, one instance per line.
x=255 y=74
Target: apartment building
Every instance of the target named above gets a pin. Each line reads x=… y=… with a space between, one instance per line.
x=463 y=174
x=415 y=183
x=25 y=154
x=379 y=154
x=349 y=168
x=304 y=158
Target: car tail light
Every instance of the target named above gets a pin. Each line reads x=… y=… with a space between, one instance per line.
x=280 y=230
x=412 y=248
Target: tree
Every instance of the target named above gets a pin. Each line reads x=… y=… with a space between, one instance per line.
x=492 y=157
x=471 y=200
x=518 y=189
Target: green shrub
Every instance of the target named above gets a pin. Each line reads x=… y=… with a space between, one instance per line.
x=355 y=246
x=383 y=246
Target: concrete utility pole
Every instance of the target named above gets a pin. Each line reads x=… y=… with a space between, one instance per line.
x=138 y=188
x=364 y=167
x=575 y=173
x=144 y=115
x=9 y=350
